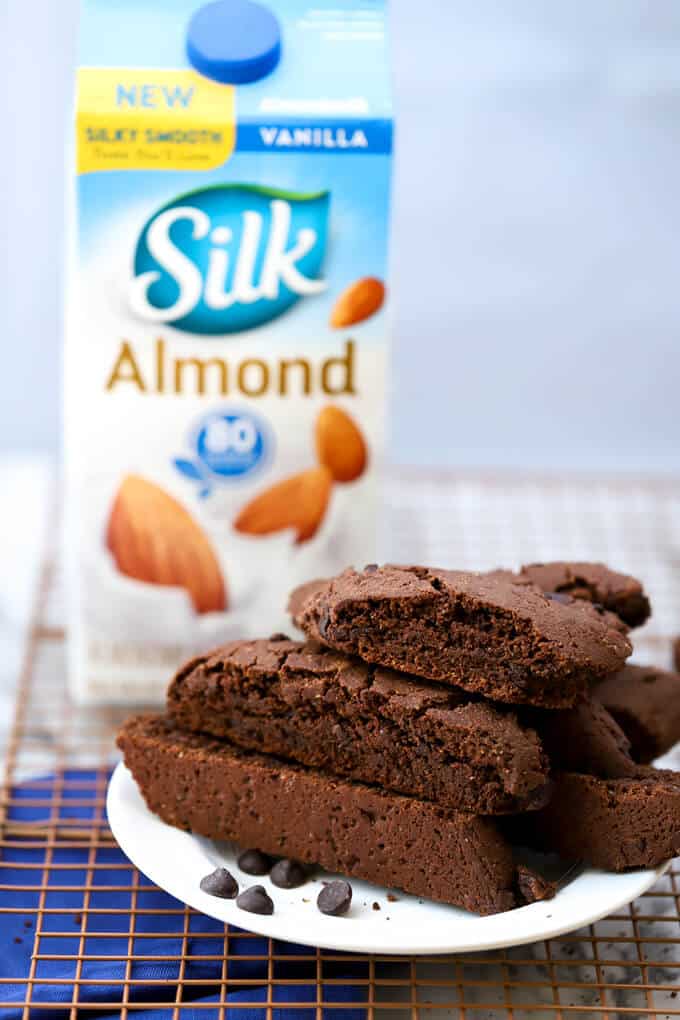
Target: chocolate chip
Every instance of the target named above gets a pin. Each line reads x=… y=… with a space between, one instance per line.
x=370 y=568
x=254 y=862
x=376 y=906
x=391 y=898
x=220 y=883
x=279 y=637
x=255 y=900
x=335 y=898
x=288 y=874
x=534 y=887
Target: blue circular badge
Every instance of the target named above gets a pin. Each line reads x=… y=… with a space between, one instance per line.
x=231 y=445
x=225 y=446
x=234 y=41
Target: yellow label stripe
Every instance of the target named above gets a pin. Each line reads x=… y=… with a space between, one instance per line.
x=137 y=119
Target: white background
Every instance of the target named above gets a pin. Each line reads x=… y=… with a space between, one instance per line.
x=536 y=287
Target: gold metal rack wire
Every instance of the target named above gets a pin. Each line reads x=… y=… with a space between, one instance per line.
x=58 y=760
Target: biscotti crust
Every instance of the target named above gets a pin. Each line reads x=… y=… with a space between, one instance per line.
x=508 y=642
x=211 y=788
x=321 y=708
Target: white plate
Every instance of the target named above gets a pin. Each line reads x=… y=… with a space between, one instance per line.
x=177 y=861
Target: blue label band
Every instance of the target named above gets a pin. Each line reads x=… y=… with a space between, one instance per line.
x=335 y=136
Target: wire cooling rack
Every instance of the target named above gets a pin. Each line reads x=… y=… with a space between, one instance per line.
x=102 y=938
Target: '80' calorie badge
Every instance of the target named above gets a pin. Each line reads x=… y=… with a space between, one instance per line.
x=226 y=446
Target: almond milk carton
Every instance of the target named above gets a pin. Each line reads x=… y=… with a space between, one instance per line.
x=227 y=341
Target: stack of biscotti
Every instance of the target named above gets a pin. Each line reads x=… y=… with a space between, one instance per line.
x=430 y=719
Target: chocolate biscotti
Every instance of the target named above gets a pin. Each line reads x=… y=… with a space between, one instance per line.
x=608 y=823
x=508 y=642
x=209 y=787
x=321 y=708
x=645 y=702
x=593 y=582
x=619 y=593
x=585 y=739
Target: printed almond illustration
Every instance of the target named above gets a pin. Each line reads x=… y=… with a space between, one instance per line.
x=153 y=538
x=359 y=301
x=298 y=502
x=340 y=445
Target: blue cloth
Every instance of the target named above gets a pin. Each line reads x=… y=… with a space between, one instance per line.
x=157 y=935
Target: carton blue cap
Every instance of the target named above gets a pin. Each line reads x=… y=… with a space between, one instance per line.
x=234 y=41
